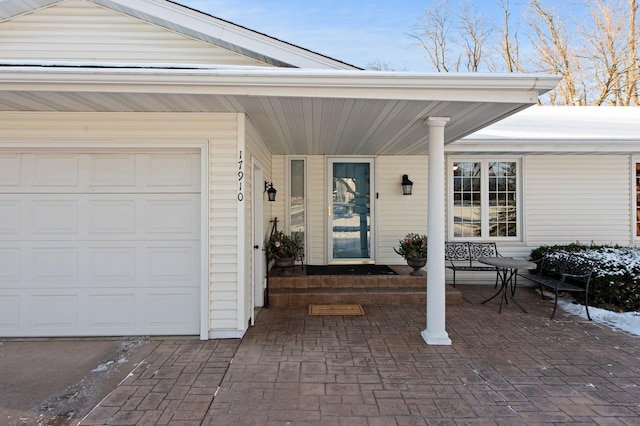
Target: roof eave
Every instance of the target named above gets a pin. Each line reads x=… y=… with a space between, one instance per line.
x=512 y=88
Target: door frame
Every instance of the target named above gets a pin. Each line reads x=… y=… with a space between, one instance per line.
x=371 y=160
x=258 y=240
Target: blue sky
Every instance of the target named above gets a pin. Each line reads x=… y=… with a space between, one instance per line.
x=354 y=31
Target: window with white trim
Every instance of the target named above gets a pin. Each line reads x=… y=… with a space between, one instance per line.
x=484 y=198
x=297 y=198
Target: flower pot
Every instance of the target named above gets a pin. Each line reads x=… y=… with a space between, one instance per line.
x=416 y=263
x=284 y=263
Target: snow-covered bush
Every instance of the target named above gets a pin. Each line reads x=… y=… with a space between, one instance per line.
x=615 y=283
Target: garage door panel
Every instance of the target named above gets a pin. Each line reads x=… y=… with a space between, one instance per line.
x=111 y=216
x=177 y=264
x=54 y=311
x=65 y=217
x=39 y=264
x=107 y=263
x=113 y=265
x=54 y=216
x=9 y=266
x=55 y=264
x=175 y=216
x=50 y=170
x=92 y=312
x=10 y=170
x=9 y=313
x=100 y=172
x=171 y=311
x=9 y=217
x=109 y=170
x=175 y=171
x=112 y=311
x=111 y=247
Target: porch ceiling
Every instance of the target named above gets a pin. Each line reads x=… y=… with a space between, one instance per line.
x=295 y=111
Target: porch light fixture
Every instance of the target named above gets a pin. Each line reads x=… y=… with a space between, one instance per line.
x=407 y=185
x=270 y=190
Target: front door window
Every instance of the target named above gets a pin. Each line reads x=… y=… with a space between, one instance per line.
x=297 y=198
x=350 y=213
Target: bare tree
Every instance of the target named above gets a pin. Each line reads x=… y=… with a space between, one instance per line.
x=449 y=36
x=603 y=52
x=379 y=65
x=632 y=67
x=508 y=45
x=609 y=52
x=594 y=49
x=554 y=53
x=433 y=34
x=475 y=29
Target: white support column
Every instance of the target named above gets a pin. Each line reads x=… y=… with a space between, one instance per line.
x=435 y=333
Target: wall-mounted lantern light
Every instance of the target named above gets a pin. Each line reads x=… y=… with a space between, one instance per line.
x=270 y=190
x=407 y=185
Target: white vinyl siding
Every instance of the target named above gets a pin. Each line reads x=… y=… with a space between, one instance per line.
x=316 y=253
x=583 y=198
x=257 y=147
x=400 y=214
x=278 y=208
x=115 y=131
x=223 y=230
x=256 y=151
x=83 y=32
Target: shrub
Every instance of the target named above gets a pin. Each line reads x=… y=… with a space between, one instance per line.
x=412 y=245
x=615 y=283
x=281 y=245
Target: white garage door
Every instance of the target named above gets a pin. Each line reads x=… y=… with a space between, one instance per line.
x=99 y=243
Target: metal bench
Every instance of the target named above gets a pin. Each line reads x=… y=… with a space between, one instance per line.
x=562 y=271
x=463 y=256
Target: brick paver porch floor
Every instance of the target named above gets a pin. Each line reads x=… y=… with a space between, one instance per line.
x=508 y=368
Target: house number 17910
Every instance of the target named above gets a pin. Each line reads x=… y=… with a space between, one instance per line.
x=240 y=177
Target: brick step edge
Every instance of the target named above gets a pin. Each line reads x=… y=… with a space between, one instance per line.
x=347 y=282
x=368 y=296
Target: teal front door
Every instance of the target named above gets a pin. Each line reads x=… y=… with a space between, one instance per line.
x=350 y=210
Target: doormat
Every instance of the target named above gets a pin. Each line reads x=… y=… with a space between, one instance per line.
x=336 y=310
x=350 y=270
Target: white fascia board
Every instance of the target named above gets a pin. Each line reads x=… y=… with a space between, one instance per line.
x=547 y=146
x=521 y=88
x=211 y=26
x=9 y=9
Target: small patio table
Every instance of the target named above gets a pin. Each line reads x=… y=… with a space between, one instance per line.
x=506 y=267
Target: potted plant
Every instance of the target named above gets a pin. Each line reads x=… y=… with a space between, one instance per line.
x=413 y=247
x=283 y=248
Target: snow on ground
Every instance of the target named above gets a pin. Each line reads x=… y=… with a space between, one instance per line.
x=626 y=321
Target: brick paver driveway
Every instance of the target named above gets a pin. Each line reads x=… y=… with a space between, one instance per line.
x=508 y=368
